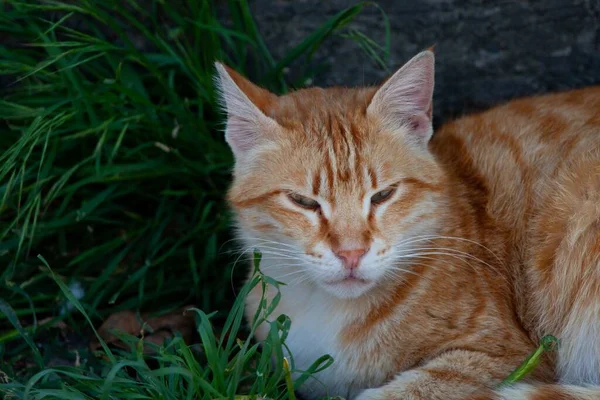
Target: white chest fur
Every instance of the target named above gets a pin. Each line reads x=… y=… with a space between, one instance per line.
x=317 y=322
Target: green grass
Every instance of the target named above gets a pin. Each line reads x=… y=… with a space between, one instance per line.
x=113 y=168
x=225 y=365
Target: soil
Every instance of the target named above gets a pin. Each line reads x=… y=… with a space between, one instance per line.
x=487 y=51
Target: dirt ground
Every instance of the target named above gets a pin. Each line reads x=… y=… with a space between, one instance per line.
x=487 y=51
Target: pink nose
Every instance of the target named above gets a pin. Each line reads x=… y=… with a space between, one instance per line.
x=351 y=258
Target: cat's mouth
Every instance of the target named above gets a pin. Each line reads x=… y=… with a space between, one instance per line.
x=348 y=287
x=348 y=280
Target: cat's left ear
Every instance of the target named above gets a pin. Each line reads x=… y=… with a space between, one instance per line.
x=404 y=101
x=248 y=126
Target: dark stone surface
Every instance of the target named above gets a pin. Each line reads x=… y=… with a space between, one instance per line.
x=487 y=51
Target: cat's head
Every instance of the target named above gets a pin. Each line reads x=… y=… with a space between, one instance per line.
x=334 y=186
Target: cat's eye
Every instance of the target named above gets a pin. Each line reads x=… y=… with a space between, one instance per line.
x=382 y=196
x=304 y=201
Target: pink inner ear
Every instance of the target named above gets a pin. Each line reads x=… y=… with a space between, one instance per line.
x=240 y=135
x=418 y=123
x=246 y=123
x=415 y=91
x=405 y=99
x=411 y=88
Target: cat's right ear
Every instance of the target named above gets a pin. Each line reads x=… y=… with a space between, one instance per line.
x=404 y=102
x=247 y=124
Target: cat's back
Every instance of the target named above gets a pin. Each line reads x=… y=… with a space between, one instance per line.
x=509 y=156
x=530 y=133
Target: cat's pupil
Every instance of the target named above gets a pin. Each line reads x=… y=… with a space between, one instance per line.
x=304 y=201
x=381 y=196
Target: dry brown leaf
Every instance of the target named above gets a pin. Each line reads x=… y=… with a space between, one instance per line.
x=153 y=330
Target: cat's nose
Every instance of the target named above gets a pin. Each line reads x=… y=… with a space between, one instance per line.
x=351 y=258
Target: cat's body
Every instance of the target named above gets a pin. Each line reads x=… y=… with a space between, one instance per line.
x=427 y=269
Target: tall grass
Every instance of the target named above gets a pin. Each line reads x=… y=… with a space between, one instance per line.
x=113 y=168
x=226 y=366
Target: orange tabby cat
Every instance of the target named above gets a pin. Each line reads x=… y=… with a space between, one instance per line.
x=428 y=268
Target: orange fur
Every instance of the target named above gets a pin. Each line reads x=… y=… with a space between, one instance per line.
x=490 y=239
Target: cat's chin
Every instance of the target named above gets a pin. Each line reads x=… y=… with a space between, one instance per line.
x=348 y=288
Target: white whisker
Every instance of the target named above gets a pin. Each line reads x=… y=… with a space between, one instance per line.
x=450 y=253
x=433 y=237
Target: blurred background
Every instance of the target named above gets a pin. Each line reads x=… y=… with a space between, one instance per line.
x=487 y=51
